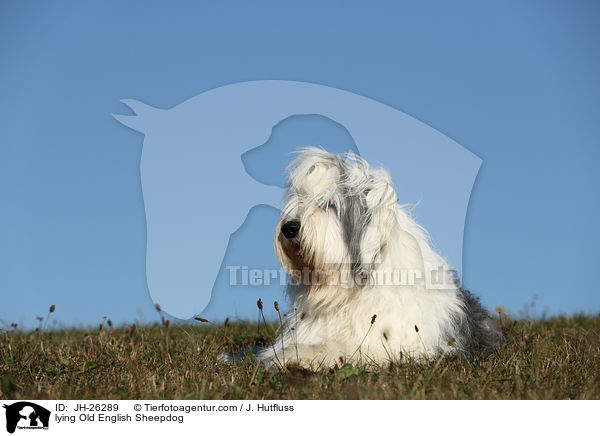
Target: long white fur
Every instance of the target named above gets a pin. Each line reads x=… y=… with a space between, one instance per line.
x=329 y=323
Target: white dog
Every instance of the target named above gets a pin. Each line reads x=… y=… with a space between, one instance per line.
x=365 y=284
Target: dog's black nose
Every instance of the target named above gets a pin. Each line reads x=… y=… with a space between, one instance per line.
x=290 y=229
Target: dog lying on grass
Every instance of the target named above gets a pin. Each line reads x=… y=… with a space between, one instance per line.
x=365 y=284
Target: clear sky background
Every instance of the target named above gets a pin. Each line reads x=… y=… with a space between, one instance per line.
x=515 y=83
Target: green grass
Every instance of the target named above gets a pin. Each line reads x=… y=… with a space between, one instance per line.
x=558 y=358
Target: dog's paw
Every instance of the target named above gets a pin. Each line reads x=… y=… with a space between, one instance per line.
x=226 y=358
x=239 y=355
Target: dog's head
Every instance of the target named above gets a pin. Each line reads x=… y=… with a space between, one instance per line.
x=338 y=216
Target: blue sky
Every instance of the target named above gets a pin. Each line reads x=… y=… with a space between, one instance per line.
x=514 y=83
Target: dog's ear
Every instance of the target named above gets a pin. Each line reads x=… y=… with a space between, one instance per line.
x=382 y=204
x=313 y=173
x=380 y=192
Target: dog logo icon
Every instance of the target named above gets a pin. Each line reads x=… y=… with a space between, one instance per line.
x=26 y=415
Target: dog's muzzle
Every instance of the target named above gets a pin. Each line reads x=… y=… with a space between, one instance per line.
x=290 y=229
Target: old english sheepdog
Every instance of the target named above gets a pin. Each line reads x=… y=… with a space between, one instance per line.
x=364 y=283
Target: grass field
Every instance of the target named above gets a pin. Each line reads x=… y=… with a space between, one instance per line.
x=558 y=358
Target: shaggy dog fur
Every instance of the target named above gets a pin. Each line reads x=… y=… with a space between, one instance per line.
x=365 y=284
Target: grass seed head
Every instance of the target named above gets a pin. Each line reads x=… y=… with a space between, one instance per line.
x=52 y=308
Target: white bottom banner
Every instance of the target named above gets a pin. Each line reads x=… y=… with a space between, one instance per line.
x=76 y=417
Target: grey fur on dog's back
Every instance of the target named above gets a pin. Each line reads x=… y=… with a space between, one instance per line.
x=479 y=334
